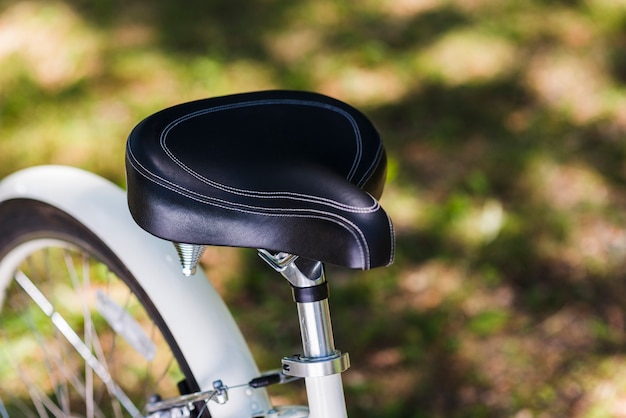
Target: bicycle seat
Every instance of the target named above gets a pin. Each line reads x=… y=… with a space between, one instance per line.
x=286 y=171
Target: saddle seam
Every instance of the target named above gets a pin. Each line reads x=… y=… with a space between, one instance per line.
x=392 y=234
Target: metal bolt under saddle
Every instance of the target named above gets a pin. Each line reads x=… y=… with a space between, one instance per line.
x=189 y=255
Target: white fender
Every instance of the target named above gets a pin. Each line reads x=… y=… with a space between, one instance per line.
x=191 y=307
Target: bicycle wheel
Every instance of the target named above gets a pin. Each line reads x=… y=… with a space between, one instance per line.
x=78 y=335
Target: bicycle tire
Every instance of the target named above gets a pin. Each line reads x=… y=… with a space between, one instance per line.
x=89 y=376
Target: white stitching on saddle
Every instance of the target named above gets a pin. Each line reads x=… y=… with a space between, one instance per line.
x=329 y=216
x=393 y=241
x=370 y=170
x=251 y=103
x=273 y=195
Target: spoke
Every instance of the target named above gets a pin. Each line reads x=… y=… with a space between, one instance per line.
x=25 y=412
x=83 y=295
x=41 y=401
x=112 y=351
x=3 y=410
x=68 y=374
x=90 y=331
x=49 y=362
x=61 y=324
x=9 y=358
x=58 y=369
x=154 y=381
x=108 y=359
x=60 y=385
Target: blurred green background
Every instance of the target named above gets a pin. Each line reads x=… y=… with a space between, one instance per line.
x=505 y=123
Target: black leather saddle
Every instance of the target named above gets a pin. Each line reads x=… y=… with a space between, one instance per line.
x=285 y=171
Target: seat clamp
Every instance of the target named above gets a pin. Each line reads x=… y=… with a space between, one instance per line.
x=300 y=366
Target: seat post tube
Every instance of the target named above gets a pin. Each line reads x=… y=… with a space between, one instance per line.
x=316 y=329
x=325 y=393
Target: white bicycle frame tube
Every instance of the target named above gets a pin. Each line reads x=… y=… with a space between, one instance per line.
x=194 y=312
x=326 y=398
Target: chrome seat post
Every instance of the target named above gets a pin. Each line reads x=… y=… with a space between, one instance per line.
x=316 y=329
x=310 y=292
x=320 y=364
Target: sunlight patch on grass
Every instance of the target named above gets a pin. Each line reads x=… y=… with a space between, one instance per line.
x=572 y=84
x=567 y=186
x=607 y=389
x=294 y=44
x=427 y=286
x=596 y=245
x=365 y=86
x=479 y=224
x=465 y=220
x=57 y=49
x=467 y=56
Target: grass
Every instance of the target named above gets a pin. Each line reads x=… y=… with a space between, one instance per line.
x=505 y=125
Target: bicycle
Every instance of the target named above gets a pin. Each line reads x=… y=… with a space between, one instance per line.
x=97 y=319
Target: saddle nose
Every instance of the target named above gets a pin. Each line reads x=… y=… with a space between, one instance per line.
x=285 y=171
